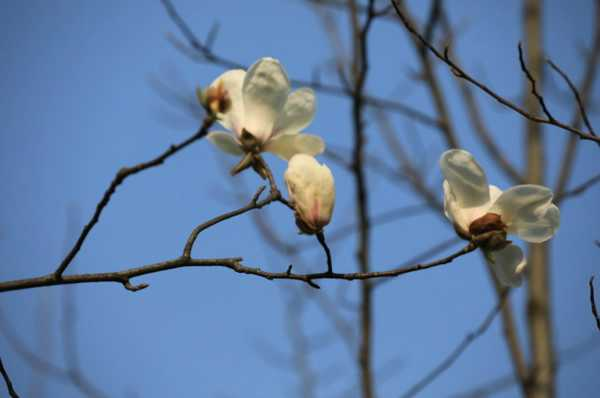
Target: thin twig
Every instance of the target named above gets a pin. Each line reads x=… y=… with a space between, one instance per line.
x=9 y=385
x=579 y=189
x=593 y=303
x=576 y=94
x=430 y=78
x=321 y=239
x=499 y=384
x=476 y=117
x=460 y=73
x=200 y=52
x=533 y=84
x=586 y=85
x=118 y=180
x=455 y=354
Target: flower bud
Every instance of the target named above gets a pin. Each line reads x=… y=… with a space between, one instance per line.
x=216 y=99
x=312 y=191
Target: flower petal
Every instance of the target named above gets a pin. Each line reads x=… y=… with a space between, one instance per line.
x=225 y=142
x=464 y=216
x=297 y=113
x=232 y=82
x=265 y=91
x=508 y=265
x=529 y=212
x=465 y=177
x=287 y=145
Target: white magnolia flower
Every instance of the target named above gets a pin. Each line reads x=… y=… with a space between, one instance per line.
x=312 y=191
x=258 y=108
x=476 y=207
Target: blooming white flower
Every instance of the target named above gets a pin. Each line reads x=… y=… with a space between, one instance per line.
x=312 y=191
x=258 y=108
x=476 y=208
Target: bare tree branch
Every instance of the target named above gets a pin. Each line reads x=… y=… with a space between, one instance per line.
x=585 y=88
x=360 y=70
x=9 y=385
x=460 y=73
x=476 y=117
x=566 y=355
x=200 y=52
x=460 y=348
x=430 y=78
x=579 y=189
x=123 y=277
x=118 y=180
x=576 y=94
x=593 y=303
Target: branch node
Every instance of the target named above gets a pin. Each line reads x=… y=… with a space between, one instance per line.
x=134 y=288
x=312 y=284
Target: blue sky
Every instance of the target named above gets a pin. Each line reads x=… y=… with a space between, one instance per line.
x=78 y=103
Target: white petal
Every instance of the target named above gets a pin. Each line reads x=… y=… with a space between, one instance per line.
x=298 y=112
x=265 y=91
x=466 y=178
x=286 y=146
x=232 y=82
x=529 y=212
x=225 y=142
x=464 y=216
x=508 y=265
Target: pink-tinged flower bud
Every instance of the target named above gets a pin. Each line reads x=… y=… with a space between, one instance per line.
x=312 y=191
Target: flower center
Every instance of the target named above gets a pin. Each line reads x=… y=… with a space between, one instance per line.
x=249 y=142
x=489 y=231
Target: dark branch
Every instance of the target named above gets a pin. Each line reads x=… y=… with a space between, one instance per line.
x=118 y=180
x=460 y=73
x=9 y=385
x=576 y=94
x=234 y=264
x=593 y=303
x=533 y=84
x=201 y=52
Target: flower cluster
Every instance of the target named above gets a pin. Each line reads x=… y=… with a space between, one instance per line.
x=486 y=215
x=264 y=116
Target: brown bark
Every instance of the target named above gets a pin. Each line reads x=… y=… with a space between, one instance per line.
x=541 y=373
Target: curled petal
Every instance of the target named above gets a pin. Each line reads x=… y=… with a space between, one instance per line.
x=297 y=113
x=465 y=178
x=464 y=216
x=230 y=83
x=529 y=212
x=287 y=145
x=225 y=142
x=265 y=91
x=508 y=265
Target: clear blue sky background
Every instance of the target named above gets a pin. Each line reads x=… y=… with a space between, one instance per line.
x=77 y=104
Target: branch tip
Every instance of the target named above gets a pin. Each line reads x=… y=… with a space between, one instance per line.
x=134 y=288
